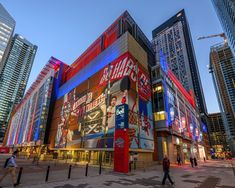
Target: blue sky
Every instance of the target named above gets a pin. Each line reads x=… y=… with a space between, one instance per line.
x=65 y=28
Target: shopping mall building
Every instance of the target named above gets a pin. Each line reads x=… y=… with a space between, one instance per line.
x=101 y=109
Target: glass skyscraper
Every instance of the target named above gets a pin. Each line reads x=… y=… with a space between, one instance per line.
x=7 y=25
x=225 y=10
x=173 y=40
x=222 y=67
x=14 y=77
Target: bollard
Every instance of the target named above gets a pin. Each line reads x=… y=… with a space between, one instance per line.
x=70 y=167
x=47 y=175
x=100 y=168
x=19 y=176
x=129 y=166
x=86 y=169
x=38 y=160
x=233 y=168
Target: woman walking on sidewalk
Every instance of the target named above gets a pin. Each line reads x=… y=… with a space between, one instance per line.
x=166 y=170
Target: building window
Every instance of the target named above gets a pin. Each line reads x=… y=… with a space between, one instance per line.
x=159 y=115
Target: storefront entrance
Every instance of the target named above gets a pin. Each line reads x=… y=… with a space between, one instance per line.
x=201 y=151
x=177 y=152
x=92 y=157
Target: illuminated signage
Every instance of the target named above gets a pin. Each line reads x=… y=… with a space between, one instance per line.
x=124 y=67
x=121 y=119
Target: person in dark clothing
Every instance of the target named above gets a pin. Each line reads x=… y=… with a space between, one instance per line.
x=179 y=160
x=10 y=168
x=166 y=170
x=195 y=161
x=191 y=161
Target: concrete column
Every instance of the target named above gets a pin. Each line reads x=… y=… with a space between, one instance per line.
x=160 y=148
x=170 y=144
x=181 y=152
x=156 y=150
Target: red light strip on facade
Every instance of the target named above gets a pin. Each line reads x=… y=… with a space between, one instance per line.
x=189 y=96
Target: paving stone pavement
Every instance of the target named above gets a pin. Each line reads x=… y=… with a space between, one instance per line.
x=212 y=174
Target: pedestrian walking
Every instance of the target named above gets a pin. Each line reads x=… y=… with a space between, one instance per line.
x=191 y=161
x=179 y=160
x=10 y=168
x=166 y=170
x=195 y=161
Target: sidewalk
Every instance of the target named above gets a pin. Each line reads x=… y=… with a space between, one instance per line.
x=183 y=177
x=217 y=173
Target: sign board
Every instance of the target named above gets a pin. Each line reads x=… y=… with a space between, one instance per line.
x=121 y=139
x=121 y=151
x=121 y=117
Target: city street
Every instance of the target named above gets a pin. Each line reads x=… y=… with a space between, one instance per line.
x=98 y=94
x=212 y=174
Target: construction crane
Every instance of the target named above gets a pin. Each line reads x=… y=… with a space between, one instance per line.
x=216 y=35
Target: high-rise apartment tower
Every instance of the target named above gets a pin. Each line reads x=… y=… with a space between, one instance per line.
x=7 y=25
x=225 y=10
x=173 y=40
x=14 y=77
x=222 y=67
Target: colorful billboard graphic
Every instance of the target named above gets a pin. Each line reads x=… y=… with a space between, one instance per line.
x=85 y=117
x=28 y=124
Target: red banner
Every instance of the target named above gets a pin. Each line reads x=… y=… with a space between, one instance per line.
x=121 y=151
x=125 y=65
x=144 y=87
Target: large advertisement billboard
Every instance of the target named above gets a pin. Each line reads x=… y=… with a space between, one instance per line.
x=85 y=117
x=28 y=124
